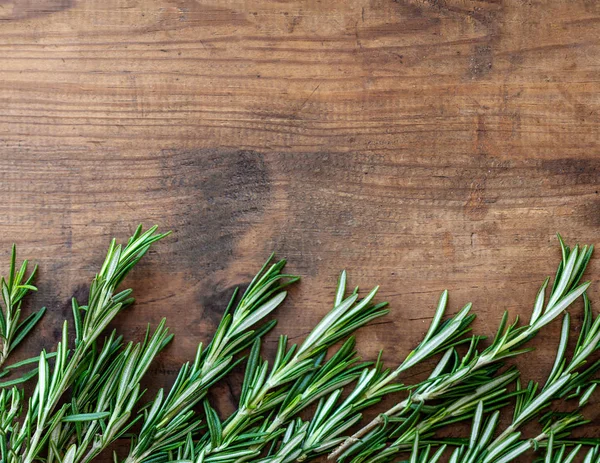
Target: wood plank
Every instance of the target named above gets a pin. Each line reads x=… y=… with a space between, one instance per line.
x=421 y=145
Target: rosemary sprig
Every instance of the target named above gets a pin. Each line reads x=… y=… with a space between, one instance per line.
x=12 y=329
x=27 y=440
x=107 y=414
x=508 y=340
x=481 y=449
x=264 y=389
x=88 y=396
x=333 y=418
x=554 y=427
x=474 y=449
x=95 y=373
x=568 y=379
x=167 y=421
x=492 y=390
x=336 y=373
x=341 y=369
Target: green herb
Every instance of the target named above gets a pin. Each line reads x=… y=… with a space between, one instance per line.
x=332 y=418
x=567 y=380
x=506 y=344
x=88 y=392
x=264 y=388
x=12 y=329
x=560 y=454
x=25 y=440
x=169 y=418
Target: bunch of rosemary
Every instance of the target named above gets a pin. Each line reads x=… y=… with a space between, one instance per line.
x=308 y=399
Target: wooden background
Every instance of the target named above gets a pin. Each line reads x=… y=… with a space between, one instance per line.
x=421 y=145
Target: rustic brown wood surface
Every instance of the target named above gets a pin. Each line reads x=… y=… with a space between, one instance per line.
x=421 y=145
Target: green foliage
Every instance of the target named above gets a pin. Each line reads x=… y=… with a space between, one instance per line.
x=167 y=421
x=297 y=378
x=305 y=402
x=459 y=377
x=568 y=379
x=12 y=329
x=335 y=416
x=27 y=436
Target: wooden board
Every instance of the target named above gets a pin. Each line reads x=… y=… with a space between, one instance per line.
x=420 y=145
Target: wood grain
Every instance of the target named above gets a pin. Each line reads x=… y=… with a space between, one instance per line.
x=421 y=145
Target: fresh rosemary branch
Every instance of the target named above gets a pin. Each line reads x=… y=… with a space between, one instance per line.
x=568 y=379
x=318 y=381
x=564 y=378
x=480 y=449
x=264 y=389
x=566 y=290
x=332 y=418
x=561 y=426
x=492 y=390
x=336 y=373
x=27 y=440
x=106 y=415
x=12 y=329
x=169 y=418
x=95 y=373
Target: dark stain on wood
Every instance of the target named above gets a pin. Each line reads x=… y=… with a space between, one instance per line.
x=481 y=61
x=11 y=10
x=222 y=192
x=214 y=304
x=583 y=170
